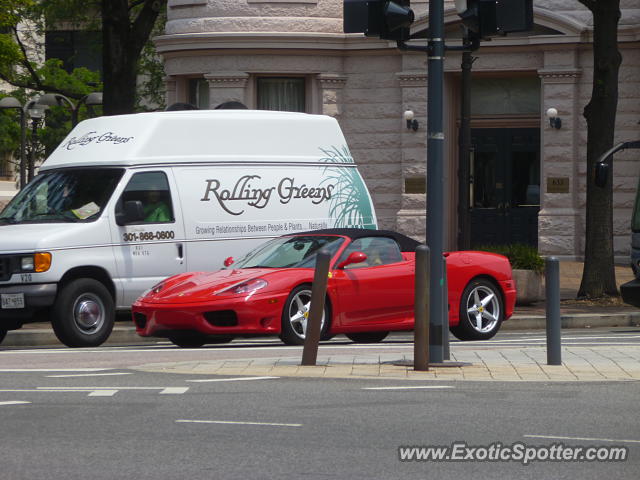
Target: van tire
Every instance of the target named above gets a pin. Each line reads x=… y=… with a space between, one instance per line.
x=83 y=314
x=291 y=332
x=3 y=333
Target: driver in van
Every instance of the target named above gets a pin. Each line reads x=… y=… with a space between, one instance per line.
x=155 y=208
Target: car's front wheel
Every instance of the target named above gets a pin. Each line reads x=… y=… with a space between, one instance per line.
x=296 y=314
x=83 y=314
x=481 y=311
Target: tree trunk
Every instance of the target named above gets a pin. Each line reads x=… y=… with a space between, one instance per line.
x=123 y=39
x=598 y=278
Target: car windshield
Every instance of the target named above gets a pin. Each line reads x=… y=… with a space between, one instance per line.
x=74 y=195
x=290 y=252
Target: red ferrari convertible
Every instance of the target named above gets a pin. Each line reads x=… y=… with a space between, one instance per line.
x=370 y=292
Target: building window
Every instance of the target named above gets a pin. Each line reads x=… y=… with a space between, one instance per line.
x=505 y=96
x=280 y=93
x=75 y=48
x=199 y=93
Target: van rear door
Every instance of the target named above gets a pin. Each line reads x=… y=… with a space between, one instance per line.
x=150 y=246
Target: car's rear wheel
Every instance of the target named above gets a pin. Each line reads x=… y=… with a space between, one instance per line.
x=296 y=314
x=367 y=337
x=83 y=313
x=481 y=311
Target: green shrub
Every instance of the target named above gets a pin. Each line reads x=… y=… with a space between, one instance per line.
x=524 y=257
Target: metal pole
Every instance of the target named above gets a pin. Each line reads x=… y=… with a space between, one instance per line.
x=552 y=287
x=314 y=322
x=435 y=175
x=32 y=155
x=23 y=148
x=464 y=144
x=421 y=310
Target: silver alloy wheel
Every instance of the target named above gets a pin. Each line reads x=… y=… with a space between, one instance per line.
x=299 y=310
x=483 y=309
x=89 y=313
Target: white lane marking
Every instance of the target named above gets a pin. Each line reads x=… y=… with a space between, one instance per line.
x=587 y=439
x=223 y=422
x=14 y=402
x=38 y=370
x=103 y=393
x=90 y=375
x=412 y=387
x=235 y=379
x=543 y=339
x=174 y=390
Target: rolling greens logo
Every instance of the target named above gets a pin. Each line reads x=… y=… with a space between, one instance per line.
x=349 y=205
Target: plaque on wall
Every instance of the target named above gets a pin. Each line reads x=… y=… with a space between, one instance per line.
x=557 y=184
x=415 y=185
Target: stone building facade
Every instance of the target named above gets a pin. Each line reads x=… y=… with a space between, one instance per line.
x=528 y=177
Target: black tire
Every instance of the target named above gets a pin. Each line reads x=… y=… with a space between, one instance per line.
x=367 y=337
x=481 y=311
x=188 y=341
x=83 y=313
x=3 y=333
x=292 y=332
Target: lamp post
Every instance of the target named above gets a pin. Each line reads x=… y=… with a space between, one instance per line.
x=56 y=99
x=36 y=113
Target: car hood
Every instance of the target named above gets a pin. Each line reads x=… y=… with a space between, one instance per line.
x=202 y=286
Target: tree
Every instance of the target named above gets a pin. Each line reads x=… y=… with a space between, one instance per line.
x=598 y=278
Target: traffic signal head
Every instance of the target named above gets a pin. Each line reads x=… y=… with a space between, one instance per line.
x=378 y=18
x=496 y=17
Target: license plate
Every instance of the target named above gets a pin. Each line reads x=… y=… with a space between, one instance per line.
x=12 y=300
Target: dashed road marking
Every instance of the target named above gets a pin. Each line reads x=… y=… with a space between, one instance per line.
x=412 y=387
x=585 y=439
x=228 y=422
x=14 y=402
x=235 y=379
x=90 y=375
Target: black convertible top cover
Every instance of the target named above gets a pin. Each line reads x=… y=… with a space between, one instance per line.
x=406 y=244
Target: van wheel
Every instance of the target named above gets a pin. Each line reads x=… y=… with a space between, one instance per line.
x=295 y=315
x=3 y=333
x=367 y=337
x=481 y=311
x=83 y=313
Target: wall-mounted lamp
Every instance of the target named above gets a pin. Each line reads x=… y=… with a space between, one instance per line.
x=412 y=124
x=554 y=120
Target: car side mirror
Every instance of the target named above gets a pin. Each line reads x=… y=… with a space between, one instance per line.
x=354 y=257
x=601 y=173
x=132 y=212
x=228 y=261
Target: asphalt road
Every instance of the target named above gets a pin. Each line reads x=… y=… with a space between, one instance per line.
x=69 y=413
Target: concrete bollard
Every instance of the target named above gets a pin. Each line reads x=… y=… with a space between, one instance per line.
x=552 y=287
x=314 y=322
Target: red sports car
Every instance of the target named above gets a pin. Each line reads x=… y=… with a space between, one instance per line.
x=370 y=292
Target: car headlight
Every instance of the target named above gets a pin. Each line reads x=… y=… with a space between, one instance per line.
x=38 y=262
x=249 y=286
x=157 y=288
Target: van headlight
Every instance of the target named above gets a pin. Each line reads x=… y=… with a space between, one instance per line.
x=37 y=262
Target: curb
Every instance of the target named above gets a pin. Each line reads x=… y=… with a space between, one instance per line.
x=43 y=336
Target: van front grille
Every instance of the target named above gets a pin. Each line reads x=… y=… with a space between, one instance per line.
x=222 y=318
x=6 y=269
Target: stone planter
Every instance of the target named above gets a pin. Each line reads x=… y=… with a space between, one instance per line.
x=529 y=286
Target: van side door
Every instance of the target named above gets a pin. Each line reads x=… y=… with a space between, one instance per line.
x=148 y=233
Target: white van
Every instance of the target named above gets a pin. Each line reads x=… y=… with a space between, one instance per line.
x=126 y=201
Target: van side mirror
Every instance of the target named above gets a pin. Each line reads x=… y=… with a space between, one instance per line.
x=354 y=257
x=132 y=212
x=228 y=261
x=601 y=173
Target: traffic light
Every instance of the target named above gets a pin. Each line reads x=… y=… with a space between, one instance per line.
x=378 y=18
x=496 y=17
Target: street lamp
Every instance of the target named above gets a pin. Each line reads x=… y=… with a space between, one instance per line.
x=36 y=113
x=11 y=102
x=57 y=99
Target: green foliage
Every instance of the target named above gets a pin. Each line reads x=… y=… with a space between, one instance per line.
x=522 y=257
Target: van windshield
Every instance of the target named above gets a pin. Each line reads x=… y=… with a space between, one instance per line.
x=69 y=195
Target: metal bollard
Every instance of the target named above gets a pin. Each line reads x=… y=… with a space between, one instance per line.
x=552 y=292
x=421 y=310
x=446 y=353
x=314 y=321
